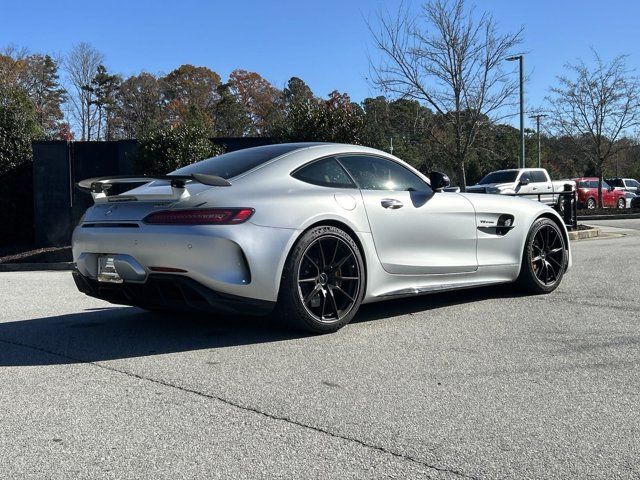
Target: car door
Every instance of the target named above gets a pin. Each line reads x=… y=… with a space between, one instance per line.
x=593 y=191
x=525 y=184
x=542 y=185
x=609 y=196
x=415 y=230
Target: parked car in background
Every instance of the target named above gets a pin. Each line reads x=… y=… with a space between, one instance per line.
x=588 y=194
x=521 y=181
x=625 y=184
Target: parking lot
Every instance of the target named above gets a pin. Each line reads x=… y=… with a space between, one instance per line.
x=474 y=384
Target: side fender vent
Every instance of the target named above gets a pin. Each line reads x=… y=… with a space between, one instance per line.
x=499 y=227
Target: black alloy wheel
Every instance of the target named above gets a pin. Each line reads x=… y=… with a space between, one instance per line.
x=323 y=281
x=544 y=258
x=328 y=278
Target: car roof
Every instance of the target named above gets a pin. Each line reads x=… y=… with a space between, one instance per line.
x=294 y=151
x=515 y=169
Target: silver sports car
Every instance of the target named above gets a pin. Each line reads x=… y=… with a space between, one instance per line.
x=308 y=231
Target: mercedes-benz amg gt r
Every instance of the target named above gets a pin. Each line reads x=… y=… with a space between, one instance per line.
x=308 y=231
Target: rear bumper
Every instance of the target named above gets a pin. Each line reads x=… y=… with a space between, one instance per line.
x=242 y=260
x=172 y=292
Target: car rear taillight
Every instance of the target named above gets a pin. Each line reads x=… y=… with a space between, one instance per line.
x=204 y=216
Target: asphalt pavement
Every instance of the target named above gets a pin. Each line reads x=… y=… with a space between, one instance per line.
x=475 y=384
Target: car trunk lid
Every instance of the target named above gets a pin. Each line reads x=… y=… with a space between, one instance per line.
x=155 y=193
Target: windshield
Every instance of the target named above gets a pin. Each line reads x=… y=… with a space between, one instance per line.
x=232 y=164
x=504 y=176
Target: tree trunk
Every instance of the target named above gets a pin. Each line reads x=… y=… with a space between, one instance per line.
x=462 y=176
x=600 y=196
x=88 y=121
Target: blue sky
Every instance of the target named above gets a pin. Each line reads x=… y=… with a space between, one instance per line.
x=326 y=43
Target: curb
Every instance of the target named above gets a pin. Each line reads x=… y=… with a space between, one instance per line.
x=582 y=234
x=620 y=216
x=33 y=267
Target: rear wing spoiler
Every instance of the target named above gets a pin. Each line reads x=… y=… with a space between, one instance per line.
x=99 y=186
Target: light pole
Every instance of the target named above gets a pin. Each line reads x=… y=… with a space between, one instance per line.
x=520 y=59
x=537 y=118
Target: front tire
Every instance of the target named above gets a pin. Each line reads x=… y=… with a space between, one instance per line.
x=621 y=203
x=591 y=204
x=323 y=281
x=544 y=258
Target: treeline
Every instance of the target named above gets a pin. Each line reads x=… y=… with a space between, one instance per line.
x=174 y=115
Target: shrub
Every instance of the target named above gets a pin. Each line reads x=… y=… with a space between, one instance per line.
x=165 y=148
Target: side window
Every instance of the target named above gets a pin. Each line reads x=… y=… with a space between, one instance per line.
x=633 y=183
x=593 y=184
x=583 y=184
x=616 y=182
x=375 y=173
x=326 y=173
x=526 y=176
x=538 y=176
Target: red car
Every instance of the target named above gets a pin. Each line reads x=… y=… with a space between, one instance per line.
x=588 y=194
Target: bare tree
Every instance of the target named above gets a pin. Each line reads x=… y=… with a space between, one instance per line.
x=595 y=107
x=451 y=60
x=81 y=65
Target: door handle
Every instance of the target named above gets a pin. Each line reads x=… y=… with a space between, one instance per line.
x=391 y=203
x=535 y=188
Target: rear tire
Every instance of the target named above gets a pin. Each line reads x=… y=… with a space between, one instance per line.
x=544 y=258
x=591 y=204
x=323 y=281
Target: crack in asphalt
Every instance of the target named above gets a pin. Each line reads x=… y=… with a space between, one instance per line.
x=587 y=303
x=246 y=408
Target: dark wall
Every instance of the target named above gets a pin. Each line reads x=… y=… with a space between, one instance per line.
x=52 y=193
x=16 y=206
x=58 y=166
x=231 y=144
x=97 y=159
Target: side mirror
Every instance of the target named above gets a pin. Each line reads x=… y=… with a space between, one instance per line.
x=524 y=181
x=439 y=180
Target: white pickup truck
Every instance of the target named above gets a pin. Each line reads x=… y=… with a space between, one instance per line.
x=523 y=180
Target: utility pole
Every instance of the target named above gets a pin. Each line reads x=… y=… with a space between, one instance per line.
x=391 y=145
x=520 y=59
x=537 y=118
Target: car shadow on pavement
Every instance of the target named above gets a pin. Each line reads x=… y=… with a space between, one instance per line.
x=422 y=303
x=116 y=332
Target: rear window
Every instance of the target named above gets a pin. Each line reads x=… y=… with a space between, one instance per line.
x=500 y=177
x=232 y=164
